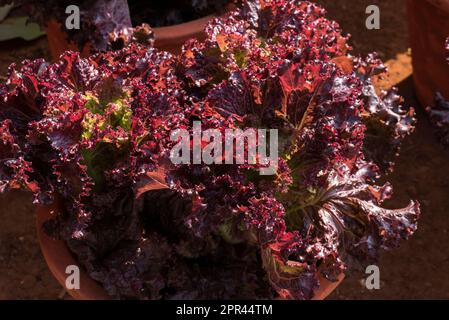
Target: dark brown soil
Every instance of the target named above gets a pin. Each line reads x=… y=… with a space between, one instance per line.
x=23 y=272
x=390 y=39
x=417 y=270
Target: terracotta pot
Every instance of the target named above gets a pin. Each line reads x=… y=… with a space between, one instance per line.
x=429 y=28
x=326 y=287
x=169 y=38
x=58 y=43
x=173 y=37
x=58 y=257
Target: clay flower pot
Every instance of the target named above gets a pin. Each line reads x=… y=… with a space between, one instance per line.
x=170 y=38
x=429 y=28
x=58 y=257
x=58 y=42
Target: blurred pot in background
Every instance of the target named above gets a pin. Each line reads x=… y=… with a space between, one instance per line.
x=429 y=28
x=105 y=25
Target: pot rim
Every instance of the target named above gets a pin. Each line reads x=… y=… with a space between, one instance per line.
x=58 y=256
x=179 y=33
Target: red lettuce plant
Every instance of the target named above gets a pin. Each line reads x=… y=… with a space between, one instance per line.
x=96 y=131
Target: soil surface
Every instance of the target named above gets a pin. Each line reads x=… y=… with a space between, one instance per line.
x=417 y=270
